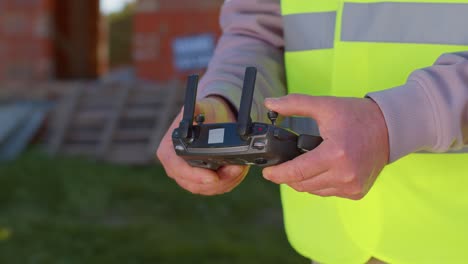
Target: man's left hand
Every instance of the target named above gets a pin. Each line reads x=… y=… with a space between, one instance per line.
x=354 y=151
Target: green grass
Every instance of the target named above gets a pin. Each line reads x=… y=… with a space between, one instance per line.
x=69 y=210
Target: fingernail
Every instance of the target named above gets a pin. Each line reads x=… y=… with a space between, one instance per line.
x=270 y=102
x=266 y=174
x=209 y=180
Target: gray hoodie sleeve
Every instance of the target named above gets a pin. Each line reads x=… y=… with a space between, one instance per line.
x=428 y=113
x=252 y=36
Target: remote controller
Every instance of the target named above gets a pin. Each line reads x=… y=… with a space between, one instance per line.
x=243 y=143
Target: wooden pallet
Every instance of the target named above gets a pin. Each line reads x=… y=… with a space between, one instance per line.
x=33 y=91
x=117 y=123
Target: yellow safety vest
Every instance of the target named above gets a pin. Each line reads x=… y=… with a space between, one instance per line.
x=417 y=211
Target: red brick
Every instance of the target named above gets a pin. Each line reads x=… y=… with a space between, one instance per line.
x=144 y=6
x=26 y=49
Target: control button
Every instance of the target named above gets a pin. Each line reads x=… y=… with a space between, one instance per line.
x=260 y=129
x=282 y=134
x=272 y=115
x=179 y=148
x=200 y=119
x=259 y=144
x=261 y=161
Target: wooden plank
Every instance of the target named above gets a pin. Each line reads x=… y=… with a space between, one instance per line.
x=92 y=118
x=108 y=133
x=153 y=97
x=79 y=149
x=117 y=123
x=129 y=154
x=83 y=135
x=132 y=134
x=64 y=112
x=140 y=113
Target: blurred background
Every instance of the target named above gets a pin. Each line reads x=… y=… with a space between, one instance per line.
x=87 y=89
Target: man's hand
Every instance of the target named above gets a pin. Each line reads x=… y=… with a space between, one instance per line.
x=198 y=180
x=354 y=151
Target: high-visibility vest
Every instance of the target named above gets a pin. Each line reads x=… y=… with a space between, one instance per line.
x=417 y=211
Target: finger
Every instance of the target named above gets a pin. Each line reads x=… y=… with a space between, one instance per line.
x=303 y=167
x=223 y=186
x=176 y=167
x=331 y=183
x=215 y=109
x=232 y=171
x=322 y=181
x=326 y=192
x=297 y=104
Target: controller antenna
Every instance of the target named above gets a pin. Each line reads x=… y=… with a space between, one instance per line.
x=244 y=121
x=185 y=126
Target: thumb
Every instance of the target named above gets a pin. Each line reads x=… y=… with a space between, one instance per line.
x=215 y=109
x=297 y=104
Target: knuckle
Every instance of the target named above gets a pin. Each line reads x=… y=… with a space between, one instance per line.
x=293 y=98
x=160 y=154
x=356 y=197
x=163 y=153
x=195 y=189
x=298 y=186
x=355 y=190
x=340 y=153
x=216 y=191
x=349 y=178
x=170 y=174
x=297 y=173
x=324 y=193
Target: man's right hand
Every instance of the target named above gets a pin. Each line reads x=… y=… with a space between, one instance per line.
x=198 y=180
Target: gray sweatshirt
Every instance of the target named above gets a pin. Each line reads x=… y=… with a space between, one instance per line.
x=428 y=113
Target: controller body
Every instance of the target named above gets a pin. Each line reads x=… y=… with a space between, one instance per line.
x=211 y=146
x=215 y=145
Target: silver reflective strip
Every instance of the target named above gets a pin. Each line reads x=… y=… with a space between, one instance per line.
x=309 y=31
x=432 y=23
x=460 y=151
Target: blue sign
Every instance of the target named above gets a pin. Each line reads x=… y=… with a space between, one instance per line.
x=193 y=52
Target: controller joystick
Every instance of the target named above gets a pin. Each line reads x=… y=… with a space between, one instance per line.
x=243 y=143
x=272 y=115
x=200 y=119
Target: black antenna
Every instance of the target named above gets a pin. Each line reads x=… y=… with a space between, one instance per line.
x=185 y=126
x=244 y=121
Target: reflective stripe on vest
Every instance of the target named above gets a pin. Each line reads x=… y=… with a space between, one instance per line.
x=385 y=20
x=318 y=35
x=406 y=23
x=418 y=208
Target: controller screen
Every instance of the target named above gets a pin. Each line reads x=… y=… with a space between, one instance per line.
x=216 y=136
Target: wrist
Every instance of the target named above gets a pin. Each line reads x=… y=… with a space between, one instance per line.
x=382 y=130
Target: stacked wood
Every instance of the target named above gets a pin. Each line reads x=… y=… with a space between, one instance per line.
x=33 y=91
x=120 y=123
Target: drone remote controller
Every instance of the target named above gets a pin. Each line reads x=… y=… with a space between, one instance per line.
x=243 y=143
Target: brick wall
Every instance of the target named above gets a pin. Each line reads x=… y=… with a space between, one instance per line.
x=26 y=48
x=50 y=39
x=159 y=23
